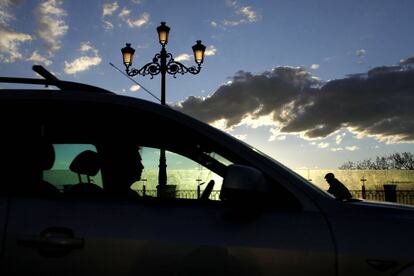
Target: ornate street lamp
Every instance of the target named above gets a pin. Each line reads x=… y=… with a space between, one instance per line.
x=163 y=63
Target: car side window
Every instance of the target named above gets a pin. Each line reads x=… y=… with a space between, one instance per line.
x=186 y=178
x=65 y=173
x=115 y=131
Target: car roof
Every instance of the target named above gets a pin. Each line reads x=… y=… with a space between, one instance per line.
x=79 y=92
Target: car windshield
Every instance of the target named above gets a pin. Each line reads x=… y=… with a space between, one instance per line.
x=304 y=179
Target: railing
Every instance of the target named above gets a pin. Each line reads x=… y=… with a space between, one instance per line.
x=193 y=194
x=182 y=194
x=402 y=196
x=377 y=195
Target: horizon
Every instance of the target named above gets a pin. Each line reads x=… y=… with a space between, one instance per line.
x=313 y=84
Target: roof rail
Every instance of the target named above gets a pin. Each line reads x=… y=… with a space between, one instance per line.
x=50 y=79
x=44 y=73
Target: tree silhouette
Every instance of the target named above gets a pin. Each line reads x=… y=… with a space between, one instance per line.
x=399 y=161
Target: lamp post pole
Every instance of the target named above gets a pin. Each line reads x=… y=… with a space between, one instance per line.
x=163 y=58
x=163 y=63
x=162 y=173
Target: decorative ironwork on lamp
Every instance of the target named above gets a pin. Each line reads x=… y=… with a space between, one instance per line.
x=163 y=62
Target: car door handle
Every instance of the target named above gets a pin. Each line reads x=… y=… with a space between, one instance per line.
x=51 y=242
x=53 y=238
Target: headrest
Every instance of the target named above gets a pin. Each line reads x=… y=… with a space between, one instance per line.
x=87 y=162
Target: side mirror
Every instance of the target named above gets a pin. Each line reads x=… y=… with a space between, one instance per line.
x=242 y=183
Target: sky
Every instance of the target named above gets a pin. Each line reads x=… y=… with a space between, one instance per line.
x=312 y=83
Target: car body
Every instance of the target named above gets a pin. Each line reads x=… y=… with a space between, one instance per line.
x=266 y=221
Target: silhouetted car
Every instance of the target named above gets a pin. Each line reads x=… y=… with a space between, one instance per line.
x=61 y=155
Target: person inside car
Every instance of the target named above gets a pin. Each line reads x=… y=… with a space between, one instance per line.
x=121 y=167
x=23 y=165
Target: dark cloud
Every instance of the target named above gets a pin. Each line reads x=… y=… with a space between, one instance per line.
x=407 y=61
x=251 y=95
x=380 y=102
x=384 y=70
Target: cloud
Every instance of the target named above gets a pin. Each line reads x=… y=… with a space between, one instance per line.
x=10 y=41
x=323 y=145
x=378 y=103
x=276 y=135
x=134 y=88
x=254 y=122
x=51 y=27
x=232 y=23
x=125 y=15
x=245 y=14
x=339 y=138
x=83 y=63
x=408 y=61
x=38 y=58
x=125 y=12
x=9 y=45
x=231 y=3
x=314 y=66
x=352 y=148
x=107 y=25
x=139 y=22
x=249 y=94
x=86 y=46
x=250 y=14
x=361 y=53
x=210 y=51
x=5 y=14
x=241 y=137
x=213 y=24
x=109 y=8
x=183 y=57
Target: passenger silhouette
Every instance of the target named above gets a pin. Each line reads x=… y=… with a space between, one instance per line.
x=121 y=168
x=23 y=167
x=336 y=188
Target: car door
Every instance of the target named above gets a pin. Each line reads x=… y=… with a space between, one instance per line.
x=156 y=236
x=9 y=159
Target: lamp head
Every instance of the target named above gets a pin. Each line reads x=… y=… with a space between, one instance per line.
x=163 y=31
x=199 y=50
x=127 y=54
